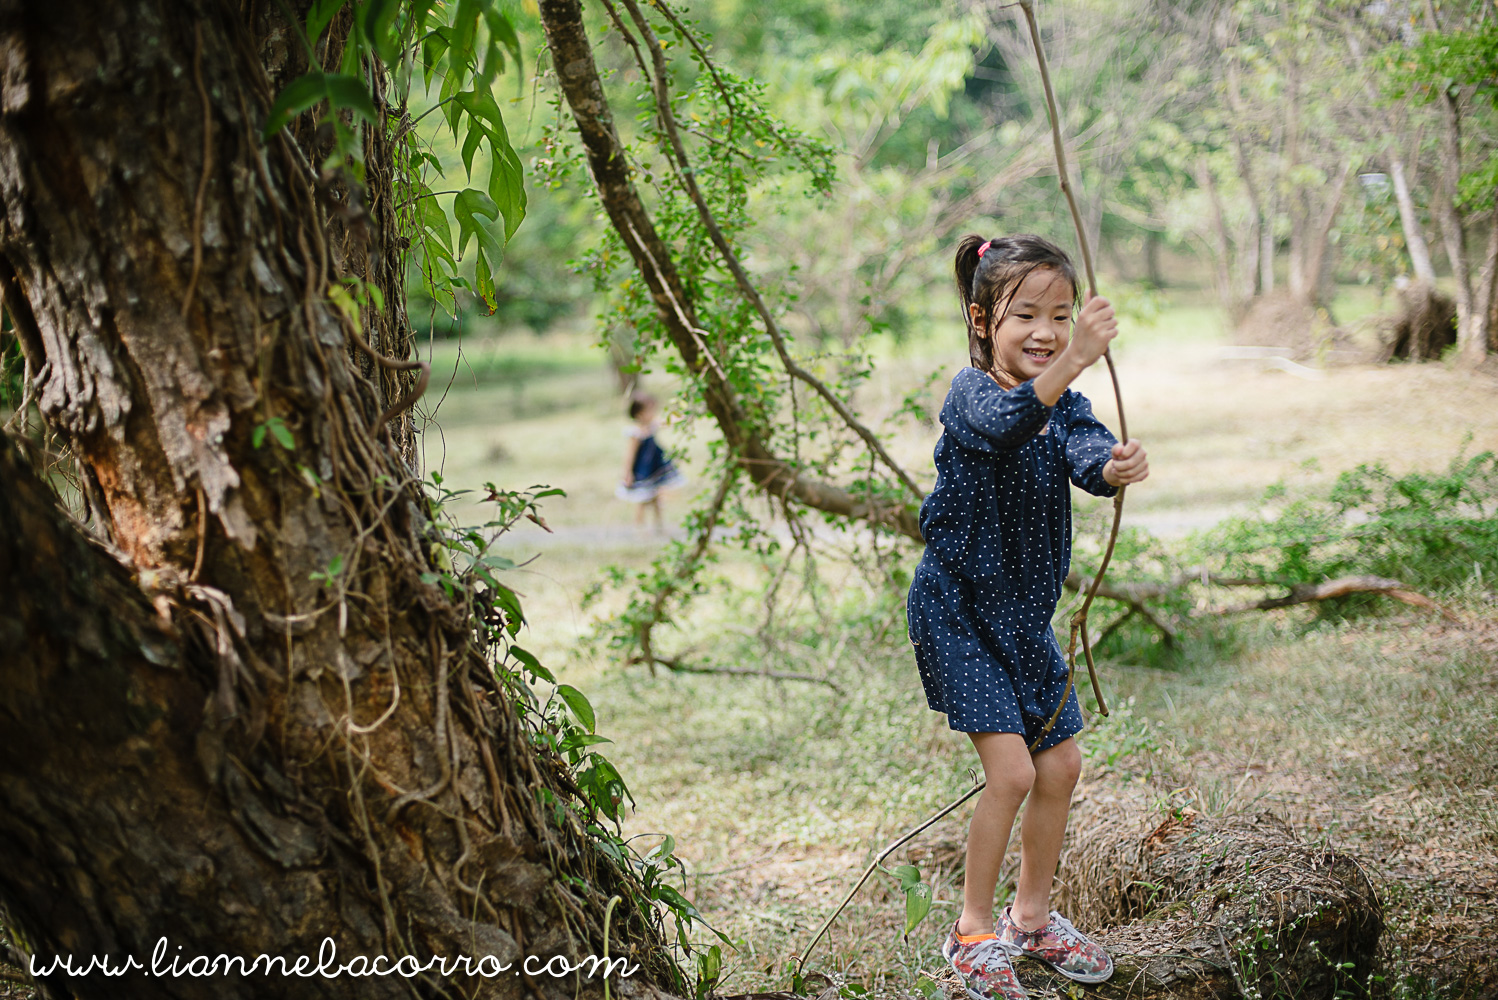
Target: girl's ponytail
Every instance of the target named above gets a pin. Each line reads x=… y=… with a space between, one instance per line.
x=967 y=270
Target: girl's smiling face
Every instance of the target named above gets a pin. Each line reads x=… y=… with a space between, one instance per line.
x=1036 y=327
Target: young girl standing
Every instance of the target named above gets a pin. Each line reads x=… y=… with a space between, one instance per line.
x=647 y=470
x=998 y=545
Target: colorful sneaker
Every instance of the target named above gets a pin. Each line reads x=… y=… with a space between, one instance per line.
x=1059 y=945
x=983 y=963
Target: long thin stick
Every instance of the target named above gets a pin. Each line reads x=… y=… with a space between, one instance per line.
x=1079 y=619
x=877 y=861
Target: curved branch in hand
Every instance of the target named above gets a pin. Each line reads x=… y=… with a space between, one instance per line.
x=1079 y=619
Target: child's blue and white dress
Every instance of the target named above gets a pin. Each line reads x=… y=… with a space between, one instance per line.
x=998 y=545
x=651 y=472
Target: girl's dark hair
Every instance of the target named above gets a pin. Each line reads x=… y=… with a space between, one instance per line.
x=638 y=402
x=996 y=276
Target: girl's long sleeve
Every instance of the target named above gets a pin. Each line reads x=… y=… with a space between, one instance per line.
x=1089 y=445
x=983 y=417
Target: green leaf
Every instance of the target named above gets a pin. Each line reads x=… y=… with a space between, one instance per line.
x=502 y=31
x=469 y=207
x=320 y=16
x=379 y=19
x=532 y=664
x=313 y=88
x=709 y=965
x=917 y=905
x=471 y=142
x=433 y=47
x=676 y=901
x=298 y=95
x=433 y=218
x=578 y=703
x=507 y=185
x=908 y=875
x=351 y=93
x=282 y=434
x=465 y=33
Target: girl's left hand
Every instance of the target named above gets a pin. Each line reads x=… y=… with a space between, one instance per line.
x=1129 y=464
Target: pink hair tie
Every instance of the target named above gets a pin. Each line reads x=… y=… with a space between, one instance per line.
x=984 y=248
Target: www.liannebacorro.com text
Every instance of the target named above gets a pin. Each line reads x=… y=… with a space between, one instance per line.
x=326 y=965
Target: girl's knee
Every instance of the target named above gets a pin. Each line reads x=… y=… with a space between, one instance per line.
x=1014 y=781
x=1059 y=767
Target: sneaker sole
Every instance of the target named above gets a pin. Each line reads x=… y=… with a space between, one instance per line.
x=974 y=994
x=1078 y=977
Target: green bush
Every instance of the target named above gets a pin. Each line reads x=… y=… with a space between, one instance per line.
x=1435 y=532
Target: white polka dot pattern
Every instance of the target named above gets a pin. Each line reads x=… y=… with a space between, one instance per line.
x=998 y=545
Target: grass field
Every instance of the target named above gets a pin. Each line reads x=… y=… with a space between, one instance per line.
x=1380 y=736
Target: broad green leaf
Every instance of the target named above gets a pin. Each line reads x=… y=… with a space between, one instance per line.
x=506 y=176
x=451 y=82
x=432 y=218
x=465 y=33
x=379 y=29
x=709 y=964
x=502 y=31
x=434 y=46
x=351 y=93
x=908 y=875
x=298 y=95
x=469 y=207
x=578 y=703
x=471 y=142
x=917 y=905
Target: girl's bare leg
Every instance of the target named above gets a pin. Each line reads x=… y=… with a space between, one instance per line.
x=1009 y=772
x=1042 y=830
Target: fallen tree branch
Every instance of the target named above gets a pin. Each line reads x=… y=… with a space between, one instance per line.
x=1133 y=597
x=682 y=667
x=1306 y=593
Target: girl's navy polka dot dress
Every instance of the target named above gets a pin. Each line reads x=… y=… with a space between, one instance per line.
x=998 y=546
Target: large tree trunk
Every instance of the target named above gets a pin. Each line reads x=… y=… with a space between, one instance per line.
x=204 y=743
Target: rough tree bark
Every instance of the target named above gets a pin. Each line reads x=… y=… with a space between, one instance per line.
x=202 y=742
